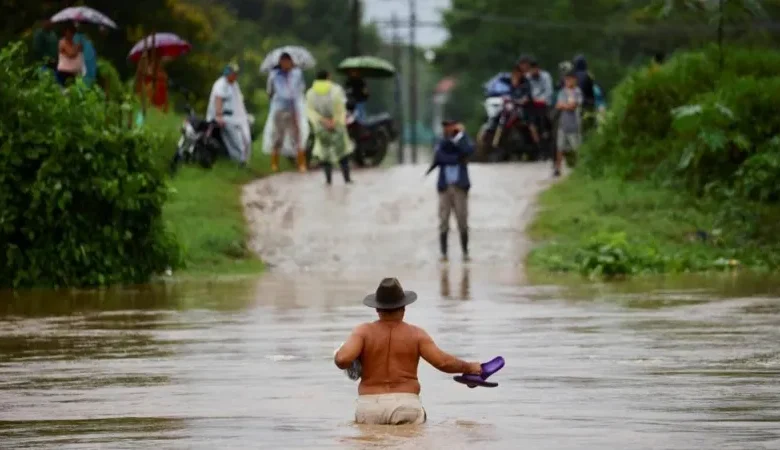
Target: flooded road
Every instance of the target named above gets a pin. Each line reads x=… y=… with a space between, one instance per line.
x=685 y=363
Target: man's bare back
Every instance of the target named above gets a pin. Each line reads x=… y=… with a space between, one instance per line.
x=390 y=350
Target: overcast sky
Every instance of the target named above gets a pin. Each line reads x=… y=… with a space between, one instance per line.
x=427 y=10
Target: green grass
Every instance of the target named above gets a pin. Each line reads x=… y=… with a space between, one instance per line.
x=205 y=210
x=656 y=226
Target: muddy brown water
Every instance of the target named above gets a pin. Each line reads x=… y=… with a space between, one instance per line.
x=675 y=363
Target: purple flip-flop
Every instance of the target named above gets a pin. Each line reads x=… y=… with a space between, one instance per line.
x=488 y=369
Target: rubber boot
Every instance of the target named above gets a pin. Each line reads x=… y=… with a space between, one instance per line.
x=328 y=168
x=302 y=162
x=174 y=166
x=275 y=162
x=443 y=246
x=344 y=163
x=464 y=244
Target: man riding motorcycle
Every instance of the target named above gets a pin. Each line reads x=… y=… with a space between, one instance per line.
x=541 y=86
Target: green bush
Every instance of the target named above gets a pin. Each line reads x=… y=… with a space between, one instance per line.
x=638 y=138
x=80 y=198
x=111 y=82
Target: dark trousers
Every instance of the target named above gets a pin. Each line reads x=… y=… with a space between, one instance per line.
x=343 y=163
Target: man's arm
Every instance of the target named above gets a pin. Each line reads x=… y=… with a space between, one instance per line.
x=444 y=361
x=465 y=145
x=351 y=349
x=448 y=158
x=269 y=84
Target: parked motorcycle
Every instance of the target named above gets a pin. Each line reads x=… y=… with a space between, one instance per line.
x=493 y=106
x=511 y=137
x=200 y=142
x=372 y=137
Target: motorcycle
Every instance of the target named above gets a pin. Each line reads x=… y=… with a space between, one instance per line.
x=493 y=106
x=511 y=137
x=200 y=141
x=372 y=137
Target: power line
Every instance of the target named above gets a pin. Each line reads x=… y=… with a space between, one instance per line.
x=767 y=25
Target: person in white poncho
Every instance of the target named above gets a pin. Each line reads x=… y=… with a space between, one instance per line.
x=226 y=106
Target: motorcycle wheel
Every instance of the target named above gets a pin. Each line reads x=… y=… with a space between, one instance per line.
x=206 y=153
x=484 y=137
x=381 y=142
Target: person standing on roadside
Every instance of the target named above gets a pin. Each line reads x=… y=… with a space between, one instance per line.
x=451 y=157
x=389 y=352
x=286 y=123
x=569 y=134
x=226 y=107
x=89 y=55
x=541 y=99
x=70 y=61
x=45 y=46
x=326 y=109
x=357 y=93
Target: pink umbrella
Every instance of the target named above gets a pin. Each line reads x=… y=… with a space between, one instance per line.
x=167 y=45
x=83 y=14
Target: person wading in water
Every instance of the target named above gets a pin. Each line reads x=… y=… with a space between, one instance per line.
x=389 y=351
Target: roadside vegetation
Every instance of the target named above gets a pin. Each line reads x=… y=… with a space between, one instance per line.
x=77 y=211
x=683 y=176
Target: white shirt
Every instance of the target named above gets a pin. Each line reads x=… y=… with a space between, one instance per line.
x=227 y=92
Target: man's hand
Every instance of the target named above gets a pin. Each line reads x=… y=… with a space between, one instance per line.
x=474 y=368
x=330 y=124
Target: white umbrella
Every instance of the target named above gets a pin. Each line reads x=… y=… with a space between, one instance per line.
x=300 y=56
x=83 y=14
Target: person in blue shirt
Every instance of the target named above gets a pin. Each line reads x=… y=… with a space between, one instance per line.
x=89 y=54
x=451 y=157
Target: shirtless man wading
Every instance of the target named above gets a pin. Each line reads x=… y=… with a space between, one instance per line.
x=389 y=351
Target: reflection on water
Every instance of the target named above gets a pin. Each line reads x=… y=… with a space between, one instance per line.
x=673 y=364
x=463 y=291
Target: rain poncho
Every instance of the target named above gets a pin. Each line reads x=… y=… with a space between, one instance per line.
x=299 y=107
x=236 y=134
x=326 y=99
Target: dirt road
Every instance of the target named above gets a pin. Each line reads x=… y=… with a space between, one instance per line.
x=387 y=219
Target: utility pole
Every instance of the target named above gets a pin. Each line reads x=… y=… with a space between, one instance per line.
x=397 y=93
x=355 y=24
x=413 y=78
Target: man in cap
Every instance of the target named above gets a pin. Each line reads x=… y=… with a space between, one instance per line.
x=451 y=157
x=389 y=351
x=226 y=107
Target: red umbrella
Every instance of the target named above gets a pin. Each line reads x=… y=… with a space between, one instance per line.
x=167 y=45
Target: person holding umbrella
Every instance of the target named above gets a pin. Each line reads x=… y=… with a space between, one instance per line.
x=45 y=41
x=287 y=87
x=70 y=61
x=357 y=92
x=451 y=157
x=88 y=53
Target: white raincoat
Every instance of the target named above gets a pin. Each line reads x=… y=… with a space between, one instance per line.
x=288 y=148
x=236 y=134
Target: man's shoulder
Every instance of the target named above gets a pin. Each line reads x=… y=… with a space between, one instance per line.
x=415 y=329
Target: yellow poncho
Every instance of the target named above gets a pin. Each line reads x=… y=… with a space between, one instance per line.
x=326 y=99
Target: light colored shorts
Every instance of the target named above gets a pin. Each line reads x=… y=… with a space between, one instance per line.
x=285 y=124
x=390 y=409
x=568 y=142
